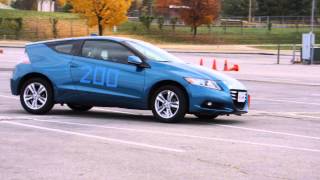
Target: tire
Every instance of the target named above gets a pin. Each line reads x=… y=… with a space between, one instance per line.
x=206 y=116
x=36 y=96
x=79 y=108
x=170 y=108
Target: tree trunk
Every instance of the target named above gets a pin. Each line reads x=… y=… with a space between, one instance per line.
x=195 y=31
x=100 y=27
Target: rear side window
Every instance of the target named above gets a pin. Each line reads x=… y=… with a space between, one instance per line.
x=65 y=47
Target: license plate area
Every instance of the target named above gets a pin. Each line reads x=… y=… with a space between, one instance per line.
x=242 y=97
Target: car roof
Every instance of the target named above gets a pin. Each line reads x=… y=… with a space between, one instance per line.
x=117 y=39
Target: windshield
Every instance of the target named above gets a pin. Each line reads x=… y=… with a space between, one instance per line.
x=153 y=52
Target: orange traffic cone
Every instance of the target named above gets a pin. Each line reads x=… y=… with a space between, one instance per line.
x=201 y=62
x=235 y=68
x=214 y=65
x=226 y=65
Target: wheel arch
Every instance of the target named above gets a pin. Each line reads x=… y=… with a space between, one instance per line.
x=164 y=83
x=33 y=75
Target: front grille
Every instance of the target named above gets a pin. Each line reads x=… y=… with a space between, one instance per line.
x=234 y=95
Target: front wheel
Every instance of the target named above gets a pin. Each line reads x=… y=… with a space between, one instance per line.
x=206 y=116
x=169 y=104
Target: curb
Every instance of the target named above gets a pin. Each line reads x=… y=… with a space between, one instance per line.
x=9 y=46
x=6 y=69
x=279 y=82
x=212 y=52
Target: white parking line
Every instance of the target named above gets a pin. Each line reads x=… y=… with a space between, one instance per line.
x=305 y=116
x=114 y=111
x=270 y=132
x=156 y=132
x=285 y=114
x=188 y=136
x=99 y=109
x=9 y=97
x=95 y=137
x=286 y=101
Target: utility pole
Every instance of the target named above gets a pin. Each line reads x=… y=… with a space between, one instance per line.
x=250 y=11
x=313 y=14
x=312 y=29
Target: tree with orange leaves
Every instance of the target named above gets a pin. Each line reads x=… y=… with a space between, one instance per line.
x=4 y=2
x=102 y=13
x=199 y=12
x=193 y=12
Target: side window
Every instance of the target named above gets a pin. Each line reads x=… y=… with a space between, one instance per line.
x=65 y=47
x=106 y=50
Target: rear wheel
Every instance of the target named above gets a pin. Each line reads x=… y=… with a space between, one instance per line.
x=169 y=104
x=36 y=96
x=79 y=108
x=206 y=116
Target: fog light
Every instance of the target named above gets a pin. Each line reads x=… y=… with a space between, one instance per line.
x=209 y=103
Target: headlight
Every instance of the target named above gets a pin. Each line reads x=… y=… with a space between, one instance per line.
x=204 y=83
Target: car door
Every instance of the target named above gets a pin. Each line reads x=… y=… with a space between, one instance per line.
x=103 y=77
x=57 y=67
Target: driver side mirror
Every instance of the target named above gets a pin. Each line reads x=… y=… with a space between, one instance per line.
x=134 y=60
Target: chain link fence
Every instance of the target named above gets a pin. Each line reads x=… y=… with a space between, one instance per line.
x=38 y=29
x=237 y=30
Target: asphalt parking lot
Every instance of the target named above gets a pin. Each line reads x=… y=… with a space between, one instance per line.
x=278 y=139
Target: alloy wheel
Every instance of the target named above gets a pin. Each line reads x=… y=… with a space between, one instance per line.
x=167 y=104
x=35 y=96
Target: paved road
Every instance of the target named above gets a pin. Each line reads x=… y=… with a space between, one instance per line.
x=278 y=139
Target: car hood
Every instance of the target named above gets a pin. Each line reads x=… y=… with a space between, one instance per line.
x=196 y=71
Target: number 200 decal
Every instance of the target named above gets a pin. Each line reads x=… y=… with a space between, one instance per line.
x=100 y=76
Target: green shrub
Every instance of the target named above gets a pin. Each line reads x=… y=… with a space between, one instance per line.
x=146 y=21
x=173 y=22
x=269 y=26
x=11 y=27
x=160 y=22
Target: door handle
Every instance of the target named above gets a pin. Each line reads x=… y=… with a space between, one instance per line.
x=74 y=65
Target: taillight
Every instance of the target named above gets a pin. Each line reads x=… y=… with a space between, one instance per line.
x=25 y=59
x=249 y=100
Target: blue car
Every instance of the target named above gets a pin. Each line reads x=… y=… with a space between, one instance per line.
x=126 y=73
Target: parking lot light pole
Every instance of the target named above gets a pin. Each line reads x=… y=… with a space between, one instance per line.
x=313 y=14
x=250 y=11
x=312 y=28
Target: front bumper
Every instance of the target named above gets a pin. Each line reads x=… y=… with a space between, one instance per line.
x=223 y=102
